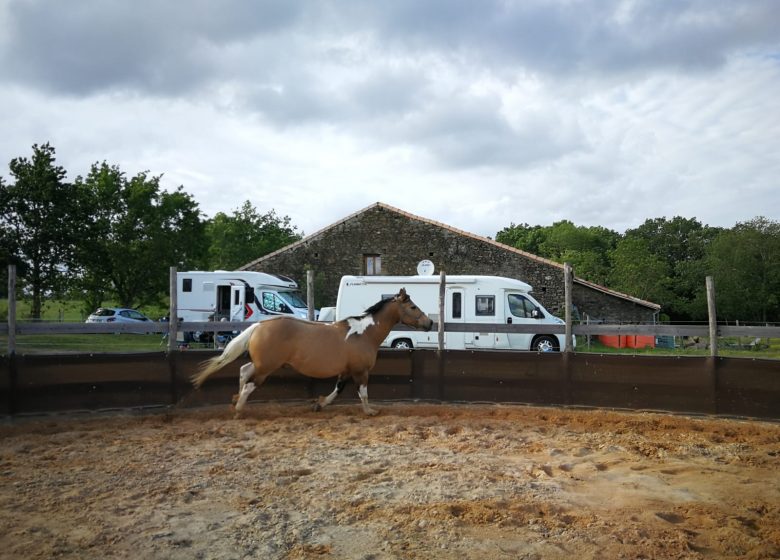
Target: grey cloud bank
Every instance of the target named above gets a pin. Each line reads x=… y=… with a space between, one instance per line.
x=476 y=114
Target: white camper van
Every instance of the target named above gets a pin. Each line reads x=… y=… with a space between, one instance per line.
x=236 y=296
x=468 y=299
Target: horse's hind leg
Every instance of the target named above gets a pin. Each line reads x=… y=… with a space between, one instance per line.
x=246 y=387
x=322 y=402
x=245 y=374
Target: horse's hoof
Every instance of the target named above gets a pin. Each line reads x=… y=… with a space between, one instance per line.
x=317 y=407
x=371 y=412
x=234 y=398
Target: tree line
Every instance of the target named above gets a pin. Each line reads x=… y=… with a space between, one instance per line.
x=107 y=236
x=666 y=260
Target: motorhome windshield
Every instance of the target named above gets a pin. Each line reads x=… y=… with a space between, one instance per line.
x=293 y=299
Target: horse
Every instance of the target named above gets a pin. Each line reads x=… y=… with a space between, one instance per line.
x=343 y=349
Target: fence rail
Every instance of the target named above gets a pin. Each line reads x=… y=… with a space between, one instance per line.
x=23 y=328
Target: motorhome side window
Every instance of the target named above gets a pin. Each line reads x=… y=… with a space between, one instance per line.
x=486 y=306
x=186 y=285
x=457 y=301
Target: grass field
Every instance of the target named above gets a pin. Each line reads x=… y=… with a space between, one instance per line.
x=70 y=311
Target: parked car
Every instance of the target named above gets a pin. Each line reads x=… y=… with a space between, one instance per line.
x=117 y=315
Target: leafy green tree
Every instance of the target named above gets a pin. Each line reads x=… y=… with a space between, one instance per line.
x=135 y=233
x=585 y=248
x=524 y=237
x=637 y=271
x=39 y=216
x=246 y=235
x=745 y=263
x=681 y=244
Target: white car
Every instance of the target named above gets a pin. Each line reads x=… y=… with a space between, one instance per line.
x=117 y=315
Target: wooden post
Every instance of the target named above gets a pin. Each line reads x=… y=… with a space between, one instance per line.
x=440 y=350
x=568 y=282
x=11 y=309
x=442 y=292
x=713 y=319
x=310 y=294
x=173 y=313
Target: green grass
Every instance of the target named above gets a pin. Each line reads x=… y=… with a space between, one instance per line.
x=727 y=347
x=57 y=343
x=70 y=311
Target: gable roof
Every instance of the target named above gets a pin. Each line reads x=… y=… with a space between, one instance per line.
x=508 y=248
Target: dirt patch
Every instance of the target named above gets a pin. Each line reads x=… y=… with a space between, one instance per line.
x=418 y=481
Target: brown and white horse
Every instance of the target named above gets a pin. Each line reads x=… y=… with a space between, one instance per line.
x=345 y=349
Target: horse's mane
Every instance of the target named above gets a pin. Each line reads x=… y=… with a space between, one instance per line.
x=374 y=309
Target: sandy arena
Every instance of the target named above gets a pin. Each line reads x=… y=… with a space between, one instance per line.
x=418 y=481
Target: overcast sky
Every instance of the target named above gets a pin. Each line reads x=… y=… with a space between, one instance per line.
x=476 y=114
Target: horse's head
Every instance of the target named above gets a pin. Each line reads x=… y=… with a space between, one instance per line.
x=410 y=314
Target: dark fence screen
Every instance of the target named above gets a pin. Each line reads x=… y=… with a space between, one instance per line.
x=726 y=386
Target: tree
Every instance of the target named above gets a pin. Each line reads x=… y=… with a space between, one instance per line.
x=524 y=237
x=681 y=244
x=246 y=235
x=136 y=232
x=637 y=271
x=745 y=262
x=585 y=248
x=39 y=216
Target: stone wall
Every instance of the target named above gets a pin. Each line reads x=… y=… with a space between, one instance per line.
x=403 y=240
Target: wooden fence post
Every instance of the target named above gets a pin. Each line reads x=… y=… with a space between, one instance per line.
x=173 y=329
x=442 y=292
x=713 y=331
x=568 y=283
x=440 y=351
x=13 y=373
x=173 y=313
x=310 y=293
x=712 y=317
x=11 y=309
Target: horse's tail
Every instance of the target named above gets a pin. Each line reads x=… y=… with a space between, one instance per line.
x=233 y=350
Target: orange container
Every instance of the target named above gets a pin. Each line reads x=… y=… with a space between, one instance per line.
x=613 y=341
x=627 y=341
x=640 y=341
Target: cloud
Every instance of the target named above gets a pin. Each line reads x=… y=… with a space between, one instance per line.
x=475 y=114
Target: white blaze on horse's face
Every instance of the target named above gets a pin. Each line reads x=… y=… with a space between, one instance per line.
x=359 y=326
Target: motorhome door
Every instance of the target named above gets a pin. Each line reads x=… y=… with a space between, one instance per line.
x=520 y=311
x=454 y=312
x=237 y=302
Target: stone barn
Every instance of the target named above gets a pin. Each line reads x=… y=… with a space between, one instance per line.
x=381 y=239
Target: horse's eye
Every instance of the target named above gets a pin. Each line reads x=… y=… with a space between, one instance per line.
x=414 y=308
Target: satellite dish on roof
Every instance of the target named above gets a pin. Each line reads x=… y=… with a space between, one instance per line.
x=425 y=268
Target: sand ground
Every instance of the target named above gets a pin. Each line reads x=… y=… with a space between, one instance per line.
x=420 y=481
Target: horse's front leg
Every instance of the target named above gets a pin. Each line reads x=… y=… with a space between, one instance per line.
x=322 y=402
x=362 y=381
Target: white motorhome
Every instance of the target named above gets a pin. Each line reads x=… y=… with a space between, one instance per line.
x=468 y=299
x=236 y=296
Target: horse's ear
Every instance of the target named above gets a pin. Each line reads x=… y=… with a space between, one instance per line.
x=402 y=295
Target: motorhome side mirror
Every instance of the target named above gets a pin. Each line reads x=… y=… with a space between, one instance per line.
x=536 y=314
x=286 y=308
